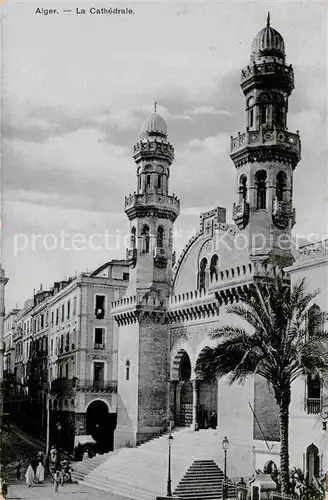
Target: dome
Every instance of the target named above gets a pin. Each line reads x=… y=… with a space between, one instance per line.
x=154 y=125
x=268 y=42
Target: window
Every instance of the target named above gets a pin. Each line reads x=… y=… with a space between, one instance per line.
x=263 y=115
x=74 y=306
x=61 y=371
x=42 y=320
x=160 y=236
x=280 y=186
x=133 y=238
x=315 y=320
x=148 y=180
x=68 y=309
x=98 y=375
x=125 y=276
x=127 y=369
x=57 y=316
x=145 y=239
x=278 y=111
x=242 y=188
x=261 y=189
x=202 y=281
x=214 y=267
x=251 y=118
x=52 y=318
x=66 y=370
x=99 y=338
x=139 y=183
x=51 y=347
x=159 y=181
x=61 y=348
x=67 y=342
x=312 y=462
x=100 y=306
x=63 y=312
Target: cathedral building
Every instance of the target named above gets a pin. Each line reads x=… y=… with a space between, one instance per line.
x=168 y=312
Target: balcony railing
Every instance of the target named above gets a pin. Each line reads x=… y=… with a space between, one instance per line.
x=99 y=346
x=313 y=406
x=63 y=385
x=264 y=137
x=97 y=386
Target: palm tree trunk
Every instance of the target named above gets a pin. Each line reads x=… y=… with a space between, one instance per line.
x=284 y=446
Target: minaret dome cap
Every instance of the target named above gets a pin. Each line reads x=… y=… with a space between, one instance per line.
x=154 y=125
x=268 y=42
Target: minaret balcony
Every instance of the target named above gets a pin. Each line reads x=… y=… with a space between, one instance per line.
x=274 y=137
x=256 y=72
x=282 y=213
x=240 y=214
x=165 y=206
x=154 y=147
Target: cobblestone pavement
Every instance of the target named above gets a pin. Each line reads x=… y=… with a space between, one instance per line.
x=67 y=492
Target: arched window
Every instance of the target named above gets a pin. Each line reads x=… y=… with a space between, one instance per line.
x=145 y=239
x=139 y=182
x=203 y=274
x=312 y=462
x=148 y=180
x=242 y=188
x=133 y=238
x=159 y=181
x=160 y=236
x=250 y=109
x=280 y=186
x=314 y=320
x=214 y=267
x=263 y=114
x=261 y=189
x=278 y=113
x=127 y=369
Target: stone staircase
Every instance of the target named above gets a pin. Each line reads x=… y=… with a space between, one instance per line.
x=202 y=481
x=82 y=469
x=140 y=473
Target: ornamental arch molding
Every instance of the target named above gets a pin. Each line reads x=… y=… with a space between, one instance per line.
x=178 y=350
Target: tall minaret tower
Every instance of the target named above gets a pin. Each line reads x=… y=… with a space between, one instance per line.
x=152 y=211
x=141 y=315
x=266 y=155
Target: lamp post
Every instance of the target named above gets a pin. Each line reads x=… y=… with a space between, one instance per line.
x=225 y=446
x=169 y=481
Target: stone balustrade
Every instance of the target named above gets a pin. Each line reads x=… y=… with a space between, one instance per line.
x=265 y=137
x=318 y=249
x=269 y=68
x=152 y=199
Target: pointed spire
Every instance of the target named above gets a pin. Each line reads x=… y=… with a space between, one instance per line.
x=268 y=20
x=155 y=106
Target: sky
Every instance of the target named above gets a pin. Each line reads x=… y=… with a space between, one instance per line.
x=76 y=90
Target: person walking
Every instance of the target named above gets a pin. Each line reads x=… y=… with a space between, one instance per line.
x=3 y=488
x=56 y=480
x=18 y=469
x=29 y=476
x=39 y=475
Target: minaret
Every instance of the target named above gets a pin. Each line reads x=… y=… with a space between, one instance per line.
x=152 y=211
x=266 y=155
x=143 y=329
x=3 y=281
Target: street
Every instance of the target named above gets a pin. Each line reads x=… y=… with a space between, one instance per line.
x=69 y=492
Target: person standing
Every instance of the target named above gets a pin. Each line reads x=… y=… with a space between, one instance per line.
x=18 y=469
x=57 y=480
x=29 y=476
x=39 y=475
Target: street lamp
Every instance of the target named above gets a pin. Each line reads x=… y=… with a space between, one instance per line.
x=169 y=490
x=225 y=446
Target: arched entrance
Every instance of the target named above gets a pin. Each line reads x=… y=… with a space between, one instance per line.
x=182 y=389
x=206 y=400
x=101 y=425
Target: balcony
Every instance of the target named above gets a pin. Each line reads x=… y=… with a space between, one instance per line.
x=131 y=256
x=241 y=214
x=141 y=204
x=266 y=137
x=97 y=386
x=313 y=406
x=160 y=257
x=272 y=70
x=282 y=212
x=100 y=313
x=63 y=385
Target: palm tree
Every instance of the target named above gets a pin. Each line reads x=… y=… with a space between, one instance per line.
x=277 y=346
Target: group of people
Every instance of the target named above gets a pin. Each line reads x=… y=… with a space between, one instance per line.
x=34 y=472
